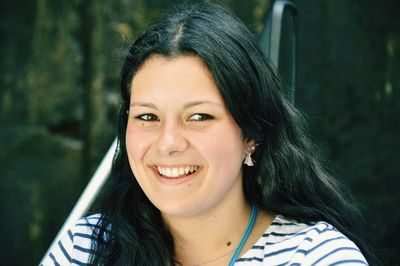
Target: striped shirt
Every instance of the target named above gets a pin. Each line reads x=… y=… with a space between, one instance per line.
x=285 y=242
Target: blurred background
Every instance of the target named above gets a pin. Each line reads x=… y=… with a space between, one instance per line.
x=59 y=96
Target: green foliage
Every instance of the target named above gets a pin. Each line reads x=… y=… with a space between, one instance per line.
x=39 y=184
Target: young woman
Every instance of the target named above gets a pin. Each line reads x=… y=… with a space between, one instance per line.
x=213 y=165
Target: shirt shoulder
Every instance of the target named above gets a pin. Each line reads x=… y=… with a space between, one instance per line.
x=74 y=246
x=287 y=242
x=324 y=245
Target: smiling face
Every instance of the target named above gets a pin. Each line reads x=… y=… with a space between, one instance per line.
x=184 y=147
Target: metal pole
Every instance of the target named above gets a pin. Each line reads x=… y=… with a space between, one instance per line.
x=271 y=35
x=275 y=39
x=88 y=196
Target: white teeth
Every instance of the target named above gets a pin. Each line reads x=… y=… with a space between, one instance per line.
x=176 y=171
x=181 y=170
x=168 y=172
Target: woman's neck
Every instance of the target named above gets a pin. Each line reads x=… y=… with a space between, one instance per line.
x=206 y=236
x=213 y=236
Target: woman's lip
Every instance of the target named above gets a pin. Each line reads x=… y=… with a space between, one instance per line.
x=174 y=180
x=174 y=172
x=172 y=165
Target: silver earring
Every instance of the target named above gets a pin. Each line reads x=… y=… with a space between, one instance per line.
x=248 y=160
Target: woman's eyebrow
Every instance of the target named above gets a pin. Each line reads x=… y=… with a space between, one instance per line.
x=194 y=103
x=187 y=105
x=143 y=104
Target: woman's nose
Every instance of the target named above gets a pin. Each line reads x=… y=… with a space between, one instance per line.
x=172 y=140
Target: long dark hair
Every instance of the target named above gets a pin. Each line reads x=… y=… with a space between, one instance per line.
x=288 y=177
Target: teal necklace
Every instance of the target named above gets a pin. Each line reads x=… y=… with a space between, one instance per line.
x=249 y=228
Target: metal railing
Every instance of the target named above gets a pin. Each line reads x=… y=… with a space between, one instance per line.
x=278 y=40
x=88 y=196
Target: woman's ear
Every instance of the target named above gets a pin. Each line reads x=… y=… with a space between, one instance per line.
x=250 y=144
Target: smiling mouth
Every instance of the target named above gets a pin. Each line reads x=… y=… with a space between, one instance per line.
x=175 y=172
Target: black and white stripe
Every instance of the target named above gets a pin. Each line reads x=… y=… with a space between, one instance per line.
x=285 y=242
x=74 y=247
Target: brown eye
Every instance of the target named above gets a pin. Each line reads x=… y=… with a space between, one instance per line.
x=200 y=117
x=147 y=117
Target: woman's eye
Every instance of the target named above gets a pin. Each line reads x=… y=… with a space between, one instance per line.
x=147 y=117
x=200 y=117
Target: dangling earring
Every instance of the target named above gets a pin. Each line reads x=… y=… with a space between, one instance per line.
x=248 y=160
